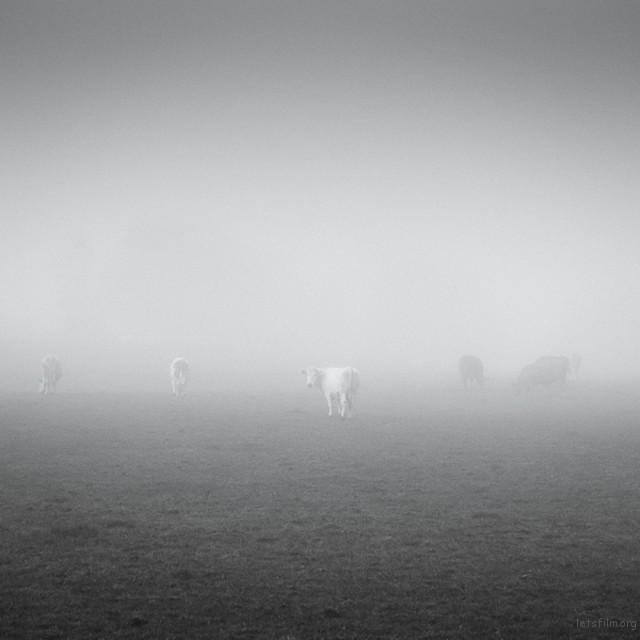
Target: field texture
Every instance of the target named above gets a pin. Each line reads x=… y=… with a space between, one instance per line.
x=451 y=516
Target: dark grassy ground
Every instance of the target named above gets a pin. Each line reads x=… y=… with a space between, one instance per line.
x=247 y=517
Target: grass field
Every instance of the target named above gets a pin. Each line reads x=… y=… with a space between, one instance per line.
x=444 y=516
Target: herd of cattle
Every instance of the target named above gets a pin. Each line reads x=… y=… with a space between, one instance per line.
x=340 y=384
x=545 y=370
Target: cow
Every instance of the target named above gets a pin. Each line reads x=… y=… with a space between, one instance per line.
x=338 y=384
x=51 y=374
x=544 y=371
x=576 y=361
x=471 y=370
x=179 y=373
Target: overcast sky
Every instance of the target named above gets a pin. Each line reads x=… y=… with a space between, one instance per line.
x=258 y=186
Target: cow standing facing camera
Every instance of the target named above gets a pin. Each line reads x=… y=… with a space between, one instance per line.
x=179 y=373
x=338 y=385
x=51 y=374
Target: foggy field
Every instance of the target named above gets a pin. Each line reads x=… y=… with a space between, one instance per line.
x=260 y=186
x=238 y=516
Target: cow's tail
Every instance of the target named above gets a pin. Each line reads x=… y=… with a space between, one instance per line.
x=355 y=380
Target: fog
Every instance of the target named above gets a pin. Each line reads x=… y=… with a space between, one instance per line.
x=259 y=186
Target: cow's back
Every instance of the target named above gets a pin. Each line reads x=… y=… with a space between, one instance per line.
x=545 y=370
x=552 y=367
x=340 y=380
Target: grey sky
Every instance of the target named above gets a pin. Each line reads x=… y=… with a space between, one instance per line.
x=272 y=184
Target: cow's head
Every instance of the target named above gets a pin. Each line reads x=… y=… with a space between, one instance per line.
x=312 y=374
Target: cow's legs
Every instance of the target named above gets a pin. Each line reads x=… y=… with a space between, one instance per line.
x=330 y=403
x=347 y=403
x=342 y=404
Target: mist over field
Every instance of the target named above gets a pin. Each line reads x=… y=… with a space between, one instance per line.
x=261 y=186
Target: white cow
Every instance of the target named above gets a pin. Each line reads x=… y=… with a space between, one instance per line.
x=544 y=371
x=51 y=374
x=338 y=384
x=179 y=372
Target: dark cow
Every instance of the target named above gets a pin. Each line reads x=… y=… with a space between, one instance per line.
x=471 y=370
x=544 y=371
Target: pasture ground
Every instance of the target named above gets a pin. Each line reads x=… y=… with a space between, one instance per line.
x=448 y=516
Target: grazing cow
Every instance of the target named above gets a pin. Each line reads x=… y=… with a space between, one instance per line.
x=544 y=371
x=179 y=372
x=471 y=370
x=338 y=384
x=51 y=374
x=576 y=361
